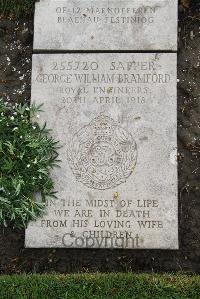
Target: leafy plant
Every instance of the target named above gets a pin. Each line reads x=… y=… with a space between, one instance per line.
x=27 y=154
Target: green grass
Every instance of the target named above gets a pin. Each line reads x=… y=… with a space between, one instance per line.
x=16 y=7
x=119 y=286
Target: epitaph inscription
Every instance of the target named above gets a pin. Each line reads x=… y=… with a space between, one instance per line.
x=106 y=25
x=115 y=117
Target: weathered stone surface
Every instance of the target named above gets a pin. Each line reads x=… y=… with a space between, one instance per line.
x=106 y=25
x=115 y=117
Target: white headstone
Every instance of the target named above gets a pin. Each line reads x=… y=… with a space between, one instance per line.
x=106 y=25
x=115 y=116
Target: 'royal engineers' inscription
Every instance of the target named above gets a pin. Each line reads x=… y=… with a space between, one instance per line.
x=115 y=117
x=106 y=25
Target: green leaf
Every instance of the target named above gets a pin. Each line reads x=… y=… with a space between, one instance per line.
x=10 y=147
x=44 y=171
x=4 y=200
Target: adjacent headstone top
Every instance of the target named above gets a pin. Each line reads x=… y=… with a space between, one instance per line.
x=106 y=25
x=115 y=115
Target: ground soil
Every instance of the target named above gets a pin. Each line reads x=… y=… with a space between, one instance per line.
x=15 y=80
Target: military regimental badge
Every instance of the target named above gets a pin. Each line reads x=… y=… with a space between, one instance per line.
x=102 y=154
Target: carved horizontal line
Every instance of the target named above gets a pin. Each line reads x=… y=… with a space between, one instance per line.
x=99 y=51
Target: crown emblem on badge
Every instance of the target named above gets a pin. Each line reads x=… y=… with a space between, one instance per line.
x=102 y=126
